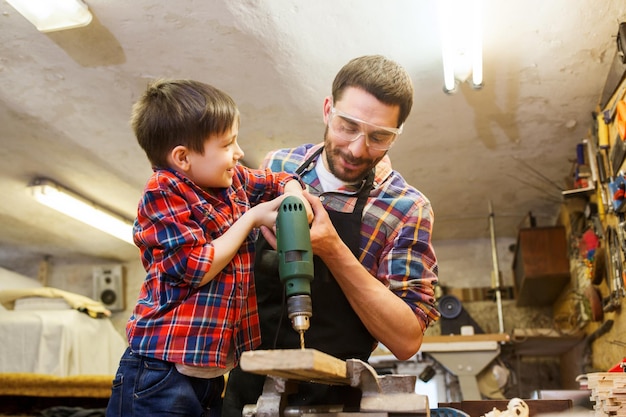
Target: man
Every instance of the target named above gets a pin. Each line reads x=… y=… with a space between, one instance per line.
x=375 y=268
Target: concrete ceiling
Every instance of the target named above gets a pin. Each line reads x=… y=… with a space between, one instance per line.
x=65 y=100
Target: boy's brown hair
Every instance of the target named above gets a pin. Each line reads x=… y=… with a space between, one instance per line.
x=180 y=112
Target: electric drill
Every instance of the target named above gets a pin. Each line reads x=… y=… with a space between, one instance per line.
x=295 y=262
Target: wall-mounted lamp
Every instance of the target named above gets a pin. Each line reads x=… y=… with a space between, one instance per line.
x=71 y=204
x=52 y=15
x=460 y=24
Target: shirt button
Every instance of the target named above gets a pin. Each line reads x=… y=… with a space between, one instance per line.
x=322 y=198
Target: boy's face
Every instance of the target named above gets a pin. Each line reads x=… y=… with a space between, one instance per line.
x=215 y=169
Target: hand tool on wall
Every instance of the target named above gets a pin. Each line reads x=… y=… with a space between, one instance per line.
x=619 y=146
x=602 y=181
x=295 y=262
x=616 y=277
x=609 y=114
x=618 y=152
x=602 y=160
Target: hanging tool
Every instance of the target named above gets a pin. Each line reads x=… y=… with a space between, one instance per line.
x=619 y=146
x=609 y=114
x=295 y=262
x=621 y=233
x=616 y=278
x=617 y=191
x=602 y=159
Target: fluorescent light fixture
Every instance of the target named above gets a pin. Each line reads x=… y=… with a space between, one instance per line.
x=460 y=23
x=71 y=204
x=52 y=15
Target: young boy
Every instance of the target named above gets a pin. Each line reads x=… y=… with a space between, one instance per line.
x=196 y=226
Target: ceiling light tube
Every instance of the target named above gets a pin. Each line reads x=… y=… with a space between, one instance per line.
x=71 y=204
x=53 y=15
x=460 y=24
x=447 y=46
x=477 y=48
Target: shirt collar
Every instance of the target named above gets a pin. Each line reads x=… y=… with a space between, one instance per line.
x=382 y=170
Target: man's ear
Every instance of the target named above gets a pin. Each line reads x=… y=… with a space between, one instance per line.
x=179 y=158
x=328 y=104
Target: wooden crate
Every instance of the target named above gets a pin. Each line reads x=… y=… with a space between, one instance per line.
x=541 y=265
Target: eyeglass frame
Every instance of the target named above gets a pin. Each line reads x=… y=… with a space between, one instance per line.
x=397 y=131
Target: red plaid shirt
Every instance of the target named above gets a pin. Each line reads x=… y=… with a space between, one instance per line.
x=175 y=319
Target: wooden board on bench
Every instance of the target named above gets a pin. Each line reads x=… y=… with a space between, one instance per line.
x=42 y=385
x=299 y=364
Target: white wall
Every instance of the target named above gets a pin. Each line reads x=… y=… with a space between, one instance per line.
x=469 y=263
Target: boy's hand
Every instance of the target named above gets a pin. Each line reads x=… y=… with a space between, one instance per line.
x=265 y=213
x=294 y=188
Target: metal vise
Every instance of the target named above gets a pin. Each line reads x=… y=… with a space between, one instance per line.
x=381 y=395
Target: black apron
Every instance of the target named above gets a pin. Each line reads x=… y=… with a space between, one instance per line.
x=335 y=327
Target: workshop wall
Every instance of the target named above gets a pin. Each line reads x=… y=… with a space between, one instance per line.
x=469 y=263
x=595 y=217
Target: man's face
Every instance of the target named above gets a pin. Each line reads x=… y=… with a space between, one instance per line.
x=351 y=161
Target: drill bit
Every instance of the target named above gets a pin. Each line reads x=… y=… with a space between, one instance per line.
x=302 y=339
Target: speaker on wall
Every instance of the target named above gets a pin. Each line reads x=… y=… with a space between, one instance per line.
x=108 y=286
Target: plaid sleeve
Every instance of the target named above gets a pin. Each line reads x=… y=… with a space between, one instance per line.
x=265 y=184
x=412 y=265
x=396 y=238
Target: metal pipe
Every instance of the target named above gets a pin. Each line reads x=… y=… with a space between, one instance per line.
x=495 y=275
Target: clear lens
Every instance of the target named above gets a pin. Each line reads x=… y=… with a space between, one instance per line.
x=349 y=129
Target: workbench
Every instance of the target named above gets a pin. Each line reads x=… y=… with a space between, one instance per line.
x=465 y=356
x=380 y=394
x=535 y=407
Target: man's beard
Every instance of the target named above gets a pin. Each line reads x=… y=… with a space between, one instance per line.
x=333 y=154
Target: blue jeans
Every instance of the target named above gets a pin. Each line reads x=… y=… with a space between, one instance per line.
x=150 y=387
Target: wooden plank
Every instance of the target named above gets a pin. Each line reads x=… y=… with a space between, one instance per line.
x=41 y=385
x=299 y=364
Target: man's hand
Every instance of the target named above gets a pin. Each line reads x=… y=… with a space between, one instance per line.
x=321 y=227
x=324 y=236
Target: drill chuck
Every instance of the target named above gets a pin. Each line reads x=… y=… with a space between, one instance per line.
x=299 y=309
x=295 y=260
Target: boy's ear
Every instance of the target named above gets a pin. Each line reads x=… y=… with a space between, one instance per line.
x=179 y=158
